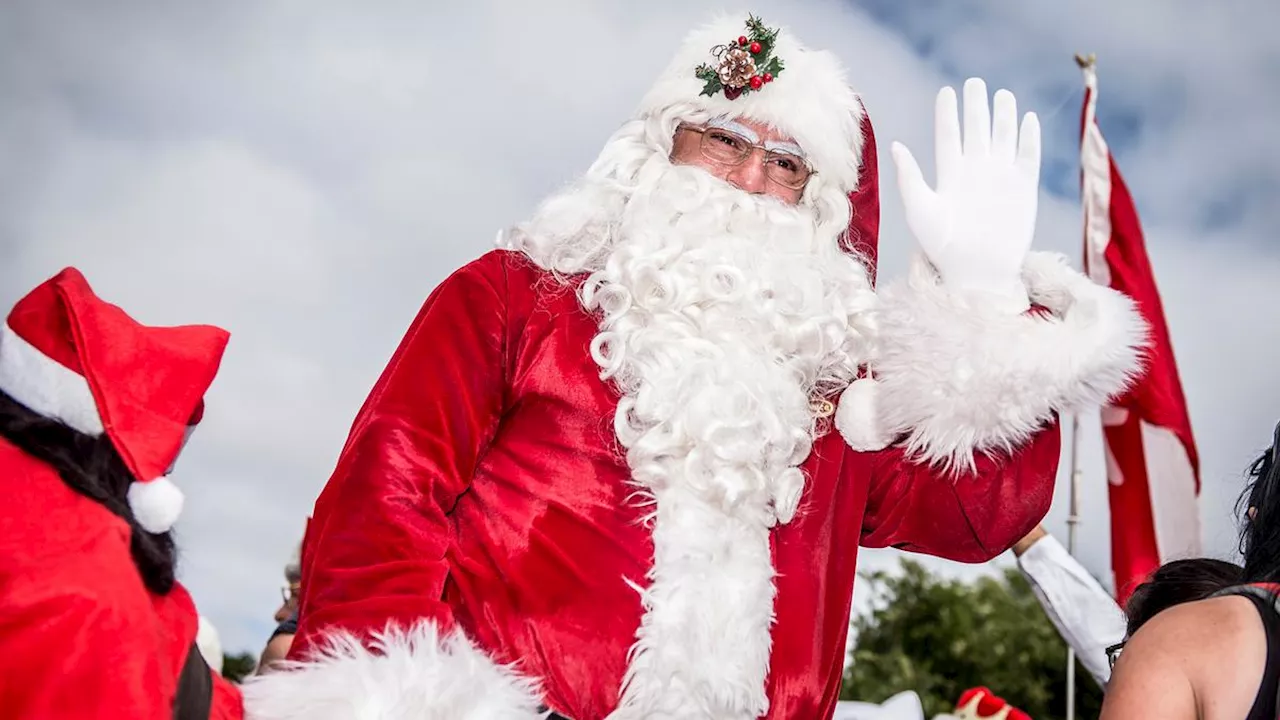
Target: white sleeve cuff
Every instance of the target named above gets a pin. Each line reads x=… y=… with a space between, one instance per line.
x=402 y=675
x=956 y=374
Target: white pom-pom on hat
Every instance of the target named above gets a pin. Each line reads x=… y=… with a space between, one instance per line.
x=156 y=504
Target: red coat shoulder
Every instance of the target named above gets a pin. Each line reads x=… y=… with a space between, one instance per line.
x=46 y=524
x=80 y=635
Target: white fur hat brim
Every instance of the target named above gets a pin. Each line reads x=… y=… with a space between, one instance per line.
x=810 y=100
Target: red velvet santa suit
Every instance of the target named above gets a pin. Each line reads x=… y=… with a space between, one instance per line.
x=478 y=550
x=81 y=635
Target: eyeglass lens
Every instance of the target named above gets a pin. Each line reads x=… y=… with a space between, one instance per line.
x=728 y=148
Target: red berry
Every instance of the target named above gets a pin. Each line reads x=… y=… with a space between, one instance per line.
x=742 y=39
x=756 y=82
x=755 y=48
x=768 y=77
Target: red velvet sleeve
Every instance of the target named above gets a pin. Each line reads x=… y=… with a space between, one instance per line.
x=376 y=546
x=969 y=517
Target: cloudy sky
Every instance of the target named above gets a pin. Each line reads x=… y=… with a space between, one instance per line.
x=303 y=173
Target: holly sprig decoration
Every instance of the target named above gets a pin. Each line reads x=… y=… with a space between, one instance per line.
x=743 y=65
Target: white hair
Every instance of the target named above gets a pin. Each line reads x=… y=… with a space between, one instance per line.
x=722 y=314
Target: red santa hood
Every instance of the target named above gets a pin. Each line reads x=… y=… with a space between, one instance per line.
x=863 y=236
x=67 y=354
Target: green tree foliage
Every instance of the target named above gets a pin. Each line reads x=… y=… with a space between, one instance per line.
x=940 y=637
x=238 y=667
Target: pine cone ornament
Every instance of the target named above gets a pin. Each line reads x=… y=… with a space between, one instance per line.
x=736 y=67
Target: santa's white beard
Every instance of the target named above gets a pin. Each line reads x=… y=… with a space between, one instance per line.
x=722 y=316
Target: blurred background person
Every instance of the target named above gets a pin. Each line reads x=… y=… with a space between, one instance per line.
x=286 y=615
x=1218 y=657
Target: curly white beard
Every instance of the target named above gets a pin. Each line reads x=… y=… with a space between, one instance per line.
x=722 y=316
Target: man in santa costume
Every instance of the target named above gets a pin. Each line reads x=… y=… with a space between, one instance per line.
x=601 y=476
x=94 y=410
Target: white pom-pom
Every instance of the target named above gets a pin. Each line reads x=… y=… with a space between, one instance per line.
x=156 y=504
x=856 y=417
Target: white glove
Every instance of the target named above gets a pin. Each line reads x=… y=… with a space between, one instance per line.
x=976 y=228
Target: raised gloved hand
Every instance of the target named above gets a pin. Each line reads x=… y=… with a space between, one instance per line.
x=976 y=226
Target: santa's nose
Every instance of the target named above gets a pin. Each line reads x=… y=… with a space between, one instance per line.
x=749 y=176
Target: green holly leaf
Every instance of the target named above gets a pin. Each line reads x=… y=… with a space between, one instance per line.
x=708 y=75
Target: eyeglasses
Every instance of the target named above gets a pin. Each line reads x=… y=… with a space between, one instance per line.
x=1113 y=653
x=289 y=592
x=727 y=148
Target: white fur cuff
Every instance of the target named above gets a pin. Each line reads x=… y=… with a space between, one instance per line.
x=956 y=375
x=415 y=674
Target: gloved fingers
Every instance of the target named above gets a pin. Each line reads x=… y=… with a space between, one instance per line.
x=917 y=197
x=946 y=143
x=1004 y=127
x=977 y=118
x=1029 y=147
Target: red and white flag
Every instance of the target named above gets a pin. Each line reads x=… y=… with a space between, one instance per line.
x=1153 y=469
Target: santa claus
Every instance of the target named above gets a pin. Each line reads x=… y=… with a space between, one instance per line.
x=601 y=476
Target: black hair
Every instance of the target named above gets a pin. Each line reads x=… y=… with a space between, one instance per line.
x=1260 y=534
x=1175 y=583
x=92 y=467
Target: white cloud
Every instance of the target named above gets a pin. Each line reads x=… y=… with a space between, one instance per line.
x=304 y=173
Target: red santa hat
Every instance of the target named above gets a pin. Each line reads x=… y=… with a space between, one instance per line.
x=68 y=355
x=863 y=236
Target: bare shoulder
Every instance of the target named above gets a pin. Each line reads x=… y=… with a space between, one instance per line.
x=1204 y=621
x=1201 y=659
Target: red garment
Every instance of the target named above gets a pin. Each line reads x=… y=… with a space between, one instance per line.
x=80 y=635
x=482 y=488
x=980 y=704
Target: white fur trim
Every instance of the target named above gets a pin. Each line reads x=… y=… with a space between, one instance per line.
x=703 y=647
x=958 y=376
x=45 y=386
x=409 y=675
x=810 y=99
x=156 y=504
x=856 y=417
x=209 y=644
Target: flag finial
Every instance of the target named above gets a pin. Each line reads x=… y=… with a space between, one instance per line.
x=1086 y=61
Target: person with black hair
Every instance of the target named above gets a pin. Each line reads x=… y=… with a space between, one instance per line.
x=1217 y=656
x=1172 y=584
x=94 y=410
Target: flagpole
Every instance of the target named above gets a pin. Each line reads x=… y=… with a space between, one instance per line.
x=1073 y=519
x=1073 y=512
